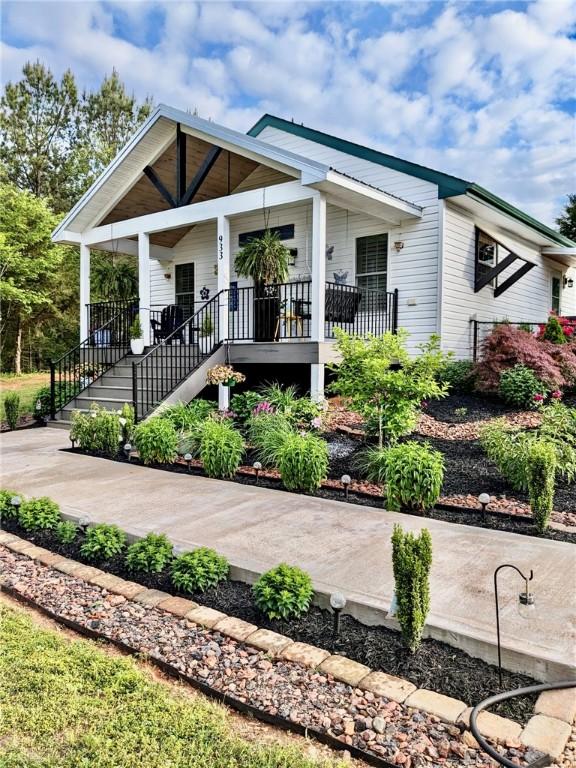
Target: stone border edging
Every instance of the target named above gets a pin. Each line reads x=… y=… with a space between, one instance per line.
x=553 y=713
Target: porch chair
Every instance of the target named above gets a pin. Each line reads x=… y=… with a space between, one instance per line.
x=171 y=318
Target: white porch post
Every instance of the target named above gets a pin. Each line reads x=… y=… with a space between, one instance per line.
x=318 y=288
x=223 y=250
x=144 y=284
x=84 y=290
x=318 y=265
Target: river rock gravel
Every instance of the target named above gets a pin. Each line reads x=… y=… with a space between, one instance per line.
x=399 y=734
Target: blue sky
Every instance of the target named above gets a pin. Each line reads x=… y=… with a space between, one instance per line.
x=483 y=90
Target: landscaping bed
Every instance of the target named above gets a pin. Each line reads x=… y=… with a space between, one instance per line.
x=436 y=665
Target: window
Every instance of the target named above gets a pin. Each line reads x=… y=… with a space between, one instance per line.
x=486 y=254
x=372 y=262
x=185 y=288
x=556 y=293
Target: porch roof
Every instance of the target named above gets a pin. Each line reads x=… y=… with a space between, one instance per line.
x=155 y=138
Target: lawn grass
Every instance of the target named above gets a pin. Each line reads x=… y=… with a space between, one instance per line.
x=67 y=703
x=27 y=385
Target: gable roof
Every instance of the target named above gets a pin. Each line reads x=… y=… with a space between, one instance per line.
x=448 y=186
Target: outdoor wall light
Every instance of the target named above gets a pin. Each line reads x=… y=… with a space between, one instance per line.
x=127 y=450
x=568 y=282
x=398 y=245
x=188 y=460
x=346 y=480
x=526 y=605
x=257 y=467
x=484 y=500
x=337 y=603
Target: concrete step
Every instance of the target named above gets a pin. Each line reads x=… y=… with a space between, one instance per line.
x=108 y=391
x=109 y=380
x=83 y=403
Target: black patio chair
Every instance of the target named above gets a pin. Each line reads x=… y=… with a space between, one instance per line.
x=171 y=318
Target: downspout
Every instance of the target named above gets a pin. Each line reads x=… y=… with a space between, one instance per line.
x=440 y=269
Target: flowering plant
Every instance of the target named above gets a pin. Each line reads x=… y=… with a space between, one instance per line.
x=224 y=374
x=263 y=408
x=557 y=330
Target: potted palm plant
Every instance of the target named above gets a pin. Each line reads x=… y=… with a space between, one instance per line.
x=136 y=337
x=206 y=335
x=265 y=260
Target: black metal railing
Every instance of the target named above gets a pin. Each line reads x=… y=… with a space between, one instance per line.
x=82 y=365
x=481 y=329
x=156 y=374
x=270 y=312
x=100 y=313
x=359 y=311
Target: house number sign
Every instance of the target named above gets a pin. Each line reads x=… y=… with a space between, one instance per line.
x=220 y=247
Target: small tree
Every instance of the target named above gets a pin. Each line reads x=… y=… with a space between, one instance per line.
x=384 y=383
x=553 y=331
x=541 y=470
x=411 y=561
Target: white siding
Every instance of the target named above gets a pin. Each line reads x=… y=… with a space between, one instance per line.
x=527 y=300
x=414 y=270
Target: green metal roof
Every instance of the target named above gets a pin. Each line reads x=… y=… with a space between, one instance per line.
x=448 y=186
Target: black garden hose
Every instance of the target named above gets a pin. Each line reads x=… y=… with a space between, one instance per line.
x=542 y=761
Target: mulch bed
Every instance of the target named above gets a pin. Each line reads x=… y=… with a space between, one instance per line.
x=436 y=665
x=359 y=719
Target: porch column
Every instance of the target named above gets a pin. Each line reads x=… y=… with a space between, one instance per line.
x=144 y=284
x=223 y=250
x=84 y=290
x=318 y=266
x=317 y=382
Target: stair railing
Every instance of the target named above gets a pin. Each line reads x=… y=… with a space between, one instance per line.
x=160 y=371
x=89 y=360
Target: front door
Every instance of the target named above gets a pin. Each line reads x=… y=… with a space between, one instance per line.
x=185 y=289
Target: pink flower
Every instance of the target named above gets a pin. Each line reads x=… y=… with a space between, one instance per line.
x=263 y=407
x=316 y=422
x=538 y=398
x=556 y=394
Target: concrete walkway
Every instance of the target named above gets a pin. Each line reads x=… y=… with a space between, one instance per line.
x=345 y=547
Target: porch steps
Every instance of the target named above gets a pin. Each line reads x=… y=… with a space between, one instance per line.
x=114 y=388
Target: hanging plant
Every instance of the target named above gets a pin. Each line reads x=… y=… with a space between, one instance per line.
x=224 y=374
x=264 y=259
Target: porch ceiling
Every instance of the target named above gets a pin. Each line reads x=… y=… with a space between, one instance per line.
x=229 y=173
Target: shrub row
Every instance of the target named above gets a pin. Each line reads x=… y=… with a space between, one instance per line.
x=284 y=592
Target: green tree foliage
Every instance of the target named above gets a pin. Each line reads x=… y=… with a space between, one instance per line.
x=412 y=561
x=567 y=220
x=384 y=383
x=30 y=266
x=38 y=121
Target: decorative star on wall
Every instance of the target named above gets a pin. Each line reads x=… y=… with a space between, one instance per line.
x=204 y=293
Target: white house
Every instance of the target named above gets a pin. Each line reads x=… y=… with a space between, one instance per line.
x=376 y=243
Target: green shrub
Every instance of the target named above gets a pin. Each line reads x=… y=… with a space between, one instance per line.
x=183 y=417
x=64 y=392
x=559 y=428
x=303 y=462
x=458 y=375
x=103 y=541
x=371 y=464
x=97 y=431
x=243 y=403
x=284 y=592
x=541 y=470
x=199 y=570
x=221 y=448
x=519 y=386
x=8 y=511
x=299 y=411
x=267 y=433
x=135 y=331
x=553 y=331
x=127 y=421
x=508 y=448
x=39 y=514
x=66 y=531
x=156 y=441
x=12 y=409
x=411 y=562
x=151 y=554
x=414 y=475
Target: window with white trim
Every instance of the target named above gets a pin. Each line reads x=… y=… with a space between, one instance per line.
x=372 y=262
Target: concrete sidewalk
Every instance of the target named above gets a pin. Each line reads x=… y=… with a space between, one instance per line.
x=344 y=547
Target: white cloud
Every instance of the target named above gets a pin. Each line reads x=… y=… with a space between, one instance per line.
x=472 y=91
